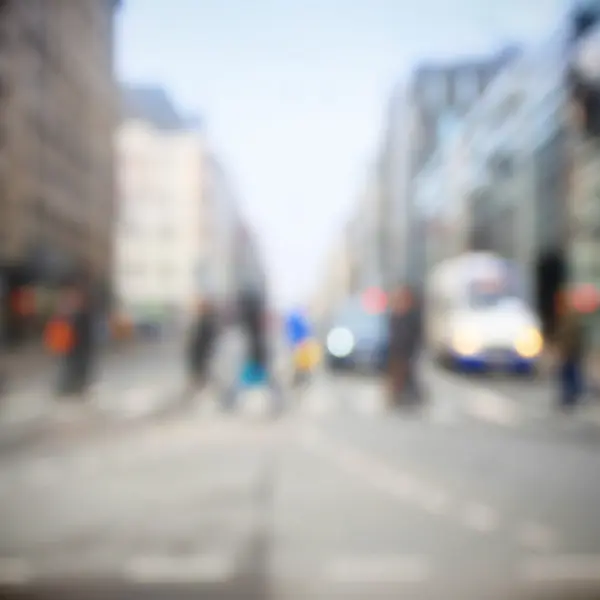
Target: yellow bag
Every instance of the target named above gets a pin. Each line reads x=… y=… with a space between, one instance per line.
x=307 y=356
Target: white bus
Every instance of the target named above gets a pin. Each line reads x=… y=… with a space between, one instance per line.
x=477 y=317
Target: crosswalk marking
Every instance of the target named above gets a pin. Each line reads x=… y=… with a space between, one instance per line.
x=325 y=397
x=370 y=569
x=187 y=569
x=556 y=569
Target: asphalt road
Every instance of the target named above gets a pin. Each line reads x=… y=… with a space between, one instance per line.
x=338 y=498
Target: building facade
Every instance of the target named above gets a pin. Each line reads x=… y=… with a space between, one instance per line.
x=58 y=111
x=223 y=231
x=364 y=236
x=249 y=265
x=334 y=284
x=161 y=247
x=584 y=153
x=424 y=112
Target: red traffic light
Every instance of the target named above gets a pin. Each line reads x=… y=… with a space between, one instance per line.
x=586 y=299
x=374 y=300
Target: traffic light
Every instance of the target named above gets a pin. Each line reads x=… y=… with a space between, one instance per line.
x=374 y=300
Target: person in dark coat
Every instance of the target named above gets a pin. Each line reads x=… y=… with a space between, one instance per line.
x=571 y=348
x=3 y=340
x=256 y=367
x=202 y=343
x=78 y=361
x=405 y=338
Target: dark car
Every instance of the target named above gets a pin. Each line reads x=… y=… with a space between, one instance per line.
x=357 y=338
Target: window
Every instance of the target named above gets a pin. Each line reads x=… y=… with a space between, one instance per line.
x=466 y=88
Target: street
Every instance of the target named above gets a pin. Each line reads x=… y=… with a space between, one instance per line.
x=337 y=498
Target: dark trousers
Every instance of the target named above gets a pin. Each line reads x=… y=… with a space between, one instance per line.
x=75 y=375
x=571 y=383
x=404 y=380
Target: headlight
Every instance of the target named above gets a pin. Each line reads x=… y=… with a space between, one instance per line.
x=466 y=343
x=530 y=343
x=340 y=342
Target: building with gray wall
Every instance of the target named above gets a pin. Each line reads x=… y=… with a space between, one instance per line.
x=421 y=115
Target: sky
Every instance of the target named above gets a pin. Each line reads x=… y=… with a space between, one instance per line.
x=293 y=94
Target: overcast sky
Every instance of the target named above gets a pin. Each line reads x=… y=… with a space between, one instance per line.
x=293 y=92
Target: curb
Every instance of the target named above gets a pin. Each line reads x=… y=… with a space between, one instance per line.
x=477 y=401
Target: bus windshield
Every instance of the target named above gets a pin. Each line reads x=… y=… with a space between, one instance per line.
x=490 y=292
x=482 y=300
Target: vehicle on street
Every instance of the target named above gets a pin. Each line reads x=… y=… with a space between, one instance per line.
x=477 y=317
x=357 y=339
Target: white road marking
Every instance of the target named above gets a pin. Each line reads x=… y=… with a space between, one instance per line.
x=369 y=401
x=171 y=569
x=480 y=403
x=435 y=501
x=490 y=406
x=396 y=569
x=44 y=471
x=442 y=412
x=567 y=568
x=399 y=484
x=402 y=487
x=317 y=402
x=481 y=518
x=254 y=401
x=536 y=536
x=14 y=571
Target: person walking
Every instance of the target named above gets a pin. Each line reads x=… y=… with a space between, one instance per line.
x=202 y=345
x=3 y=340
x=256 y=368
x=73 y=334
x=405 y=337
x=571 y=353
x=300 y=339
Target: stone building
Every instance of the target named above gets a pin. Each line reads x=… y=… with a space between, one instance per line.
x=58 y=110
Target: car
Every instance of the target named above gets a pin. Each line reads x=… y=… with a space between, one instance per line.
x=357 y=339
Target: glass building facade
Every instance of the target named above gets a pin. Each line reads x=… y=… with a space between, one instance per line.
x=584 y=219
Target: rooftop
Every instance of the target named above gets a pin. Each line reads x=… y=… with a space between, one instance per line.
x=153 y=105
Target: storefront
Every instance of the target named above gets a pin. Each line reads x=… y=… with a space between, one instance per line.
x=583 y=85
x=30 y=292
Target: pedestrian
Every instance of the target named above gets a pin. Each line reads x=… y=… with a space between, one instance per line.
x=405 y=337
x=74 y=335
x=202 y=345
x=3 y=340
x=299 y=335
x=571 y=352
x=256 y=368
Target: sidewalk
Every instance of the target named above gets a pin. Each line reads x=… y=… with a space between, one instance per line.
x=130 y=383
x=133 y=381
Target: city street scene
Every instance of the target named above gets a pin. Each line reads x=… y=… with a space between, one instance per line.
x=299 y=300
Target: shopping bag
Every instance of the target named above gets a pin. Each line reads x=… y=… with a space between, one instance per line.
x=307 y=356
x=253 y=375
x=59 y=336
